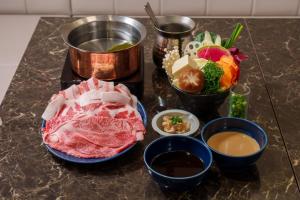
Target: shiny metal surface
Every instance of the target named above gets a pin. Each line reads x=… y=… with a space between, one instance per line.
x=170 y=35
x=151 y=14
x=90 y=38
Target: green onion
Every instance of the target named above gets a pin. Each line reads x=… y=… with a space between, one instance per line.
x=234 y=35
x=176 y=120
x=237 y=105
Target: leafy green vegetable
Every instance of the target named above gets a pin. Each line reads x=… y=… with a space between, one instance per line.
x=234 y=35
x=200 y=37
x=176 y=120
x=120 y=47
x=212 y=75
x=213 y=36
x=237 y=105
x=223 y=43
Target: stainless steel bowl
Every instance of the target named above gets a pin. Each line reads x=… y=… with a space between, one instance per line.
x=90 y=38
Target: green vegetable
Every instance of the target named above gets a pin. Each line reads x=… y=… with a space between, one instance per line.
x=119 y=47
x=212 y=75
x=200 y=37
x=213 y=37
x=237 y=105
x=223 y=43
x=176 y=120
x=234 y=35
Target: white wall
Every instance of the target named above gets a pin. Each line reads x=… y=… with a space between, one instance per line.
x=161 y=7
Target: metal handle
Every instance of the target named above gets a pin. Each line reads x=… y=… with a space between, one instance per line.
x=150 y=13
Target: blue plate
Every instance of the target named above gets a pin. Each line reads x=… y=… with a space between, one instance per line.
x=74 y=159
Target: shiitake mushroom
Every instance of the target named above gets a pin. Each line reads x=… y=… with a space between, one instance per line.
x=191 y=80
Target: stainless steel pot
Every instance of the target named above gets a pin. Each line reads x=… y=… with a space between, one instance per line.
x=90 y=38
x=173 y=31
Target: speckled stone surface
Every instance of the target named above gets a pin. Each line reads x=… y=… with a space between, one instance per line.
x=28 y=171
x=279 y=56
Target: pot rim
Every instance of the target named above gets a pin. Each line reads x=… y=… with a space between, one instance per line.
x=68 y=28
x=190 y=22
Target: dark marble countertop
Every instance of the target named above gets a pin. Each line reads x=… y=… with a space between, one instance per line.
x=28 y=171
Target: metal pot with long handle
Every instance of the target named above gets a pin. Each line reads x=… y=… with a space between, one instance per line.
x=172 y=31
x=90 y=40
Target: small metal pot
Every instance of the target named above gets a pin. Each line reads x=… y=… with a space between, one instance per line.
x=173 y=31
x=90 y=38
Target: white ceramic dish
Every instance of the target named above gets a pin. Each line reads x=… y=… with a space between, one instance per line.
x=192 y=119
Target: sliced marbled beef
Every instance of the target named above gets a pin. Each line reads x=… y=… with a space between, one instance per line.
x=93 y=119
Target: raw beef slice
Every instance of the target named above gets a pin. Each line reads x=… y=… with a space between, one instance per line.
x=91 y=120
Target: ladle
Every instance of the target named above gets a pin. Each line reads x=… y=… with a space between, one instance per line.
x=150 y=13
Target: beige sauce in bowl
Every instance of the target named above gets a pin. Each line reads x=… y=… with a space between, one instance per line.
x=233 y=143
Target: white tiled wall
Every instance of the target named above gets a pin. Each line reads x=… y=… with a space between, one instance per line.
x=12 y=6
x=190 y=7
x=127 y=7
x=79 y=7
x=161 y=7
x=234 y=7
x=281 y=7
x=48 y=6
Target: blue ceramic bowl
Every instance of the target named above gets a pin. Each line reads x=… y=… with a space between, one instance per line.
x=235 y=124
x=177 y=143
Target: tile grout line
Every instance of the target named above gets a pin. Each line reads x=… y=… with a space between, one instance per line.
x=253 y=3
x=298 y=8
x=273 y=108
x=161 y=7
x=206 y=8
x=71 y=8
x=114 y=7
x=26 y=8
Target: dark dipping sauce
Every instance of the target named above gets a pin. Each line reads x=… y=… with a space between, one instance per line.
x=177 y=164
x=174 y=27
